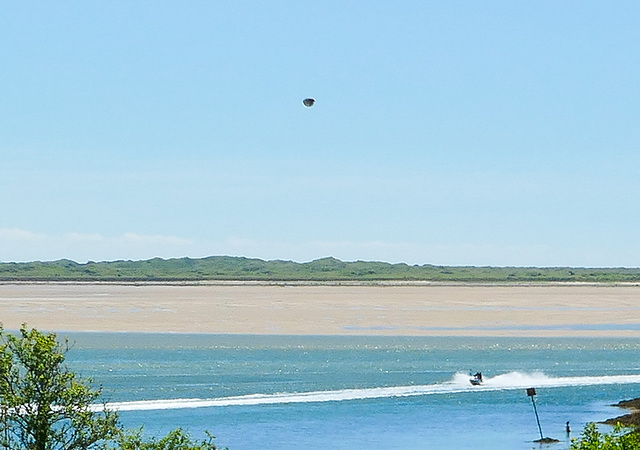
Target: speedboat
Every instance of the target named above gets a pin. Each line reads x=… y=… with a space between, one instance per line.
x=476 y=380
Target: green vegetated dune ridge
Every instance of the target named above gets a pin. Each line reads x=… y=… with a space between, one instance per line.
x=228 y=268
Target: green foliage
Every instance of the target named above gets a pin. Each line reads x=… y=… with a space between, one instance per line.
x=619 y=439
x=176 y=440
x=43 y=405
x=321 y=270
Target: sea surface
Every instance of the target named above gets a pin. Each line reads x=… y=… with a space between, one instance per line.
x=320 y=392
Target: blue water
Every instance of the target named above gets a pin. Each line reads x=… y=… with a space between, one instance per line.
x=316 y=392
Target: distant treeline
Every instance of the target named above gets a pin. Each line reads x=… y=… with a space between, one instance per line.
x=325 y=269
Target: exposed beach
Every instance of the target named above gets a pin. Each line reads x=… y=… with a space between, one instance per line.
x=390 y=309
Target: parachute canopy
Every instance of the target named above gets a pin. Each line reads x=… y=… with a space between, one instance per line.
x=308 y=102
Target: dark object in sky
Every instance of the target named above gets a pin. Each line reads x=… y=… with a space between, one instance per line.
x=308 y=102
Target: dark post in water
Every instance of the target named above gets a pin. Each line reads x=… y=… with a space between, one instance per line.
x=531 y=392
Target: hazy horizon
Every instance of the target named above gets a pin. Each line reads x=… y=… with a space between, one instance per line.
x=308 y=261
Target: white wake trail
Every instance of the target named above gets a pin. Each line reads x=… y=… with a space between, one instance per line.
x=459 y=384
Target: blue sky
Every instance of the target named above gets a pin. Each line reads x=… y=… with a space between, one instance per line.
x=456 y=133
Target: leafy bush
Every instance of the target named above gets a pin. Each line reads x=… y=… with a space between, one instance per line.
x=620 y=438
x=45 y=406
x=176 y=440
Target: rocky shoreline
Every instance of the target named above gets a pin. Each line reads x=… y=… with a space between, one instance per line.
x=631 y=419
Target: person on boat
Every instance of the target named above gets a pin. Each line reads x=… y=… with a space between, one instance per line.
x=478 y=376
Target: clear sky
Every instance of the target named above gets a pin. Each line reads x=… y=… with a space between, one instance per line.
x=445 y=132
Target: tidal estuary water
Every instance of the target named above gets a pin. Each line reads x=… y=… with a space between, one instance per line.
x=356 y=393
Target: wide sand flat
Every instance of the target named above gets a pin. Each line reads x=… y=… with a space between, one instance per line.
x=464 y=310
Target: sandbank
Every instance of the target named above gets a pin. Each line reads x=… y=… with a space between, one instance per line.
x=303 y=309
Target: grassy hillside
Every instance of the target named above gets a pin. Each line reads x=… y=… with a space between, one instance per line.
x=326 y=269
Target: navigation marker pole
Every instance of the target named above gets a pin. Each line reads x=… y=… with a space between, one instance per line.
x=531 y=392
